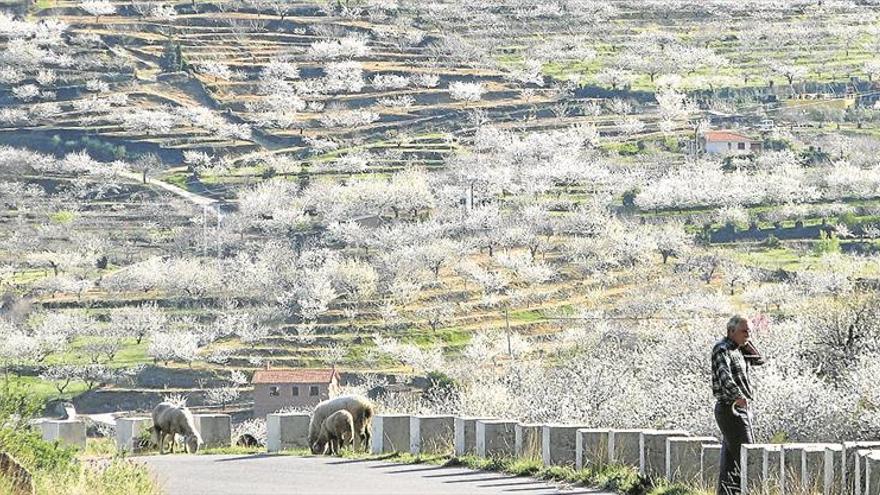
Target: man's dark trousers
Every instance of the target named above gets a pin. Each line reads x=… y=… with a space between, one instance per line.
x=736 y=430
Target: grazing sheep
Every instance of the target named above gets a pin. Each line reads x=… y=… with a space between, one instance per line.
x=361 y=410
x=170 y=419
x=337 y=431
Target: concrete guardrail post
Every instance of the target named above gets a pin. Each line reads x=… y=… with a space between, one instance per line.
x=495 y=438
x=390 y=433
x=432 y=434
x=285 y=431
x=683 y=458
x=652 y=451
x=129 y=432
x=215 y=429
x=67 y=431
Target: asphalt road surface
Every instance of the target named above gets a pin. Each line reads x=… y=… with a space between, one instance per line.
x=277 y=475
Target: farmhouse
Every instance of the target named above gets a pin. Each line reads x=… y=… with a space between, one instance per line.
x=276 y=389
x=729 y=143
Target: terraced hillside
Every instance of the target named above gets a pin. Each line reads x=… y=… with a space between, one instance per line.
x=393 y=186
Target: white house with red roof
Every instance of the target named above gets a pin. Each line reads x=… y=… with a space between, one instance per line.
x=729 y=143
x=279 y=388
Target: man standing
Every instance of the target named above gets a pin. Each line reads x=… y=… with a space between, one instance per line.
x=732 y=357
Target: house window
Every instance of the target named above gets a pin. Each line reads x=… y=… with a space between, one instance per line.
x=756 y=146
x=295 y=391
x=729 y=145
x=740 y=146
x=273 y=391
x=313 y=390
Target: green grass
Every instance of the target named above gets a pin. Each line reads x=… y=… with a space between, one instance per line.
x=130 y=354
x=177 y=179
x=120 y=477
x=782 y=257
x=24 y=277
x=44 y=391
x=788 y=259
x=450 y=337
x=527 y=315
x=361 y=354
x=100 y=447
x=62 y=217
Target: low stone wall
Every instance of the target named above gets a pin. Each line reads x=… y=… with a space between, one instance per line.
x=826 y=468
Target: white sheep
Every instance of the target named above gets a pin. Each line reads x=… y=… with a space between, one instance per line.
x=337 y=431
x=361 y=410
x=170 y=419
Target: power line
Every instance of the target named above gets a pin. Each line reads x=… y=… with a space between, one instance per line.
x=685 y=317
x=806 y=104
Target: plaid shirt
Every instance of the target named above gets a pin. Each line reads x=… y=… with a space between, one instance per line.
x=730 y=372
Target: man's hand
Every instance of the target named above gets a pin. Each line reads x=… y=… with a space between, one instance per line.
x=742 y=403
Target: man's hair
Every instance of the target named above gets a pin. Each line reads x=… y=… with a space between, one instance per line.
x=734 y=322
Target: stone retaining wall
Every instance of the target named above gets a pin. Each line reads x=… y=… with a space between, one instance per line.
x=849 y=468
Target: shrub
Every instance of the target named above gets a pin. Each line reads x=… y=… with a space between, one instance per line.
x=29 y=448
x=848 y=218
x=772 y=242
x=54 y=467
x=828 y=243
x=628 y=149
x=440 y=383
x=17 y=406
x=172 y=58
x=629 y=198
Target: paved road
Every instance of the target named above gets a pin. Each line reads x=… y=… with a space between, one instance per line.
x=277 y=475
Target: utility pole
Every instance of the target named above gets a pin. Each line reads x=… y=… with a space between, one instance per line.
x=507 y=325
x=217 y=243
x=204 y=230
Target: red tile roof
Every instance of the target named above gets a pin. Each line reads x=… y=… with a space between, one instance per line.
x=726 y=136
x=301 y=375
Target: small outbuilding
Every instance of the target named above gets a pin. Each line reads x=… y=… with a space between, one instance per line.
x=729 y=143
x=279 y=388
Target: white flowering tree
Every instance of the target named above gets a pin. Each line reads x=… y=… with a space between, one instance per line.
x=468 y=92
x=344 y=77
x=98 y=8
x=174 y=345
